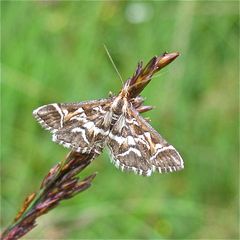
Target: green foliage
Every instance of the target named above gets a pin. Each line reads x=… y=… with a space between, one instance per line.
x=53 y=52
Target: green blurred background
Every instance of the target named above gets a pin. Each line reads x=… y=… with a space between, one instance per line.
x=53 y=52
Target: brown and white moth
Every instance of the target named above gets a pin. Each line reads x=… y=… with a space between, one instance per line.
x=115 y=122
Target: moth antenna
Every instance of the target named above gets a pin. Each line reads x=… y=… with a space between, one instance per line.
x=119 y=75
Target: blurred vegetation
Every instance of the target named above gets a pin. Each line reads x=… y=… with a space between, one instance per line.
x=53 y=52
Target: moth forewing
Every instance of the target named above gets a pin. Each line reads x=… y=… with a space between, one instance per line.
x=78 y=126
x=139 y=148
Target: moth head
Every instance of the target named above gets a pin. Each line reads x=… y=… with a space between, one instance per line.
x=125 y=90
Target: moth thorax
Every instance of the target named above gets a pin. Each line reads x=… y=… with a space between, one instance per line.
x=118 y=106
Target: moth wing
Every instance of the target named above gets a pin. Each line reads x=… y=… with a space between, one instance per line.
x=78 y=126
x=135 y=146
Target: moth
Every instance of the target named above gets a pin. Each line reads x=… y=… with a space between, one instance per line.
x=115 y=122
